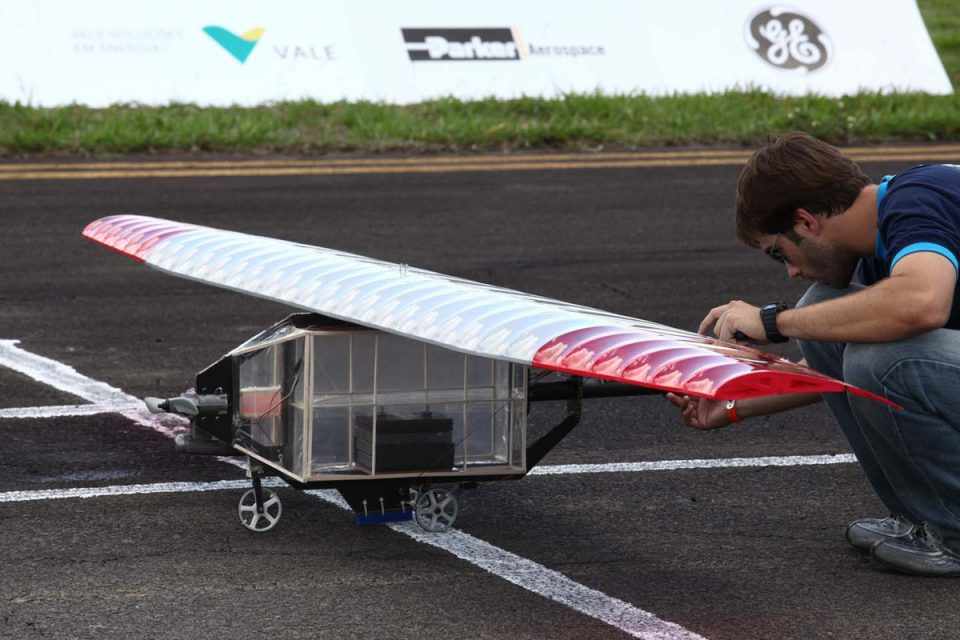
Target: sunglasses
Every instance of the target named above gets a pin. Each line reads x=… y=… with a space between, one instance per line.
x=774 y=251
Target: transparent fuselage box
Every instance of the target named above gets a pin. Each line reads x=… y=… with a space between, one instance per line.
x=339 y=402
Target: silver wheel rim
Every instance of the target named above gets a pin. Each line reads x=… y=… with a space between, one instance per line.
x=436 y=510
x=259 y=522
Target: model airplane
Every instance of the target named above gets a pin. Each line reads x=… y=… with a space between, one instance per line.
x=399 y=382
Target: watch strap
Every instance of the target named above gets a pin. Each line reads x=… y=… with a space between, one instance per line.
x=768 y=315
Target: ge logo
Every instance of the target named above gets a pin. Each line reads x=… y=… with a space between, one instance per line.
x=788 y=40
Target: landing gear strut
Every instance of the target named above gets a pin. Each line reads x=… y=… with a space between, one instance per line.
x=259 y=509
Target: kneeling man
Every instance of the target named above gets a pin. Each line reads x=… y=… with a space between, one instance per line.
x=883 y=314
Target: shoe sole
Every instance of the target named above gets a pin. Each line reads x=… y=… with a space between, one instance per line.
x=911 y=572
x=868 y=547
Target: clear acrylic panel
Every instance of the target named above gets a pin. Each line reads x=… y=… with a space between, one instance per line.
x=445 y=368
x=260 y=395
x=487 y=433
x=331 y=363
x=293 y=368
x=271 y=402
x=293 y=452
x=444 y=396
x=502 y=379
x=418 y=398
x=501 y=432
x=479 y=372
x=400 y=364
x=330 y=449
x=294 y=406
x=273 y=333
x=362 y=350
x=258 y=371
x=479 y=432
x=518 y=419
x=454 y=412
x=519 y=380
x=478 y=394
x=361 y=424
x=266 y=431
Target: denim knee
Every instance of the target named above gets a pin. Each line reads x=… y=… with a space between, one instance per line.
x=824 y=357
x=923 y=371
x=865 y=364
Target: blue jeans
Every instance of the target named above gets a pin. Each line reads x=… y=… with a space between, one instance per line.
x=910 y=457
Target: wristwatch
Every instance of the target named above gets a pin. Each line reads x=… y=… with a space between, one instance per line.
x=768 y=315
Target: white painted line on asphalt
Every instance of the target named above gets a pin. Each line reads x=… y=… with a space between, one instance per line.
x=67 y=379
x=68 y=410
x=131 y=490
x=334 y=497
x=551 y=584
x=57 y=375
x=673 y=465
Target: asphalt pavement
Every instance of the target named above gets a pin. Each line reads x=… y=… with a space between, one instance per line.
x=726 y=553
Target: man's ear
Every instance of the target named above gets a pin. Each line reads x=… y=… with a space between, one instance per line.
x=806 y=224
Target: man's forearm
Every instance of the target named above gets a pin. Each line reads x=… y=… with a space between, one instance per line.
x=884 y=312
x=753 y=407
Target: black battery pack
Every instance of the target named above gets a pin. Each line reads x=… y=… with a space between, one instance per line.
x=406 y=444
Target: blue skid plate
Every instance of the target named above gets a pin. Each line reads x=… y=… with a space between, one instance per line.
x=382 y=518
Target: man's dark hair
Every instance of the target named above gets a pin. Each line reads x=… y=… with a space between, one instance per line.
x=795 y=171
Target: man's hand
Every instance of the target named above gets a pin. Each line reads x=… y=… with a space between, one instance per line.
x=700 y=413
x=735 y=316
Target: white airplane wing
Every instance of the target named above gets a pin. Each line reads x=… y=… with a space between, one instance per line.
x=458 y=314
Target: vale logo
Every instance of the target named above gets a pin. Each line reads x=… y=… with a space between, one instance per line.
x=240 y=47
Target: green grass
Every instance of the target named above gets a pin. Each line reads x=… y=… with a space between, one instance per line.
x=942 y=18
x=572 y=122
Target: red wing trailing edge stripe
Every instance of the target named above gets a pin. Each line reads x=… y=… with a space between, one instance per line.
x=698 y=367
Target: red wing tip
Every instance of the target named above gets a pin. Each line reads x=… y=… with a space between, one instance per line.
x=763 y=384
x=89 y=231
x=857 y=391
x=110 y=247
x=132 y=235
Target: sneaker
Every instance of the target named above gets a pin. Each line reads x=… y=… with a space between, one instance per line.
x=866 y=532
x=922 y=553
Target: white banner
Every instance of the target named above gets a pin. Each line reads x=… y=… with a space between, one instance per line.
x=248 y=52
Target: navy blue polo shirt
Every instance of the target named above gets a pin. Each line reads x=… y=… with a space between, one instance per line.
x=917 y=210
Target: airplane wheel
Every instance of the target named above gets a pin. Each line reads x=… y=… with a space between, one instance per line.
x=259 y=522
x=436 y=510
